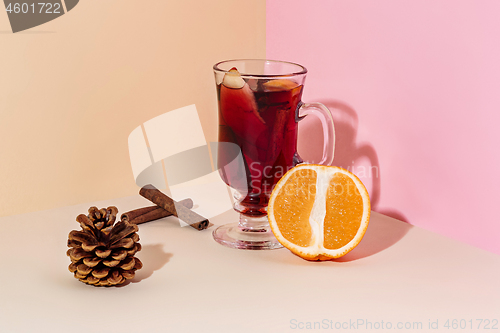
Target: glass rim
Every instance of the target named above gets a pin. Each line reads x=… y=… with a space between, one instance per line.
x=302 y=70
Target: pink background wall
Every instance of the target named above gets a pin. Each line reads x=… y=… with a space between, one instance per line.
x=415 y=91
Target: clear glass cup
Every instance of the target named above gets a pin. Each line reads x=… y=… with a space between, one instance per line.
x=259 y=110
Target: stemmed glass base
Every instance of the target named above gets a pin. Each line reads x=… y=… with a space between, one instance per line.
x=251 y=233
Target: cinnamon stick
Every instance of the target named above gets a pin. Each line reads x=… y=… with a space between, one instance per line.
x=182 y=212
x=151 y=213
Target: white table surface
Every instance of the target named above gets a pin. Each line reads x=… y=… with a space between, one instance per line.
x=399 y=277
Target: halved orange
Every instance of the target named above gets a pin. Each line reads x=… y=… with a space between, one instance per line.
x=319 y=212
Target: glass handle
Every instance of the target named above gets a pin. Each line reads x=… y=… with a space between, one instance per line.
x=325 y=116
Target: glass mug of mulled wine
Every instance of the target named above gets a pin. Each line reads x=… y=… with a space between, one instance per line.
x=259 y=110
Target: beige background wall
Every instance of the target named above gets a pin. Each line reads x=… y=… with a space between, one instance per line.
x=73 y=89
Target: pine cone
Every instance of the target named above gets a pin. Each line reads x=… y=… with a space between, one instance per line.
x=102 y=254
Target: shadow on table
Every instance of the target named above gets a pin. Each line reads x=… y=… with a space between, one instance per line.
x=382 y=233
x=229 y=216
x=153 y=258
